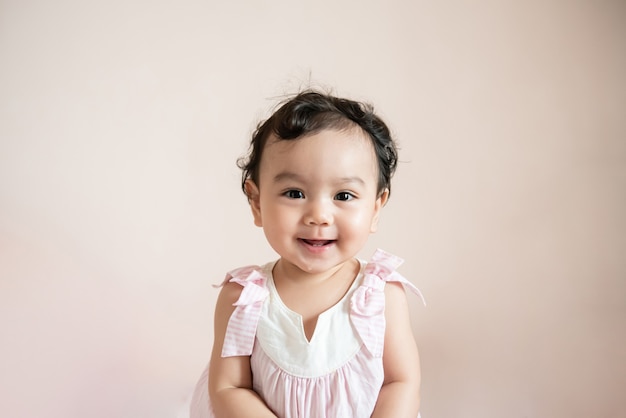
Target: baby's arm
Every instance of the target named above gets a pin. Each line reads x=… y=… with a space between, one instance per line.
x=230 y=378
x=399 y=395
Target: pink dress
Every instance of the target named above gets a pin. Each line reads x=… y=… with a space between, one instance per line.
x=337 y=373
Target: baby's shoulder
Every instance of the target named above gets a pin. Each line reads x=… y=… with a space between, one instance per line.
x=244 y=285
x=230 y=291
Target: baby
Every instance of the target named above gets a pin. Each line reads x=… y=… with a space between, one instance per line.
x=317 y=332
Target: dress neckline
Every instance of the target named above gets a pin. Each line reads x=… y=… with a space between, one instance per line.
x=276 y=297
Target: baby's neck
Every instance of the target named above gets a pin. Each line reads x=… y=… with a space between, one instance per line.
x=286 y=272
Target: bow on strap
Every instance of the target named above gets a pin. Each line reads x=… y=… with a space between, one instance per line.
x=368 y=301
x=241 y=329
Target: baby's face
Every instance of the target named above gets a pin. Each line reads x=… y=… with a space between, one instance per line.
x=317 y=197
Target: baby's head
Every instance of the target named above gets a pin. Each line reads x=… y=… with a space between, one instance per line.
x=310 y=112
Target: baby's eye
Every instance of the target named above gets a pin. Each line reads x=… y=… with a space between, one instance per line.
x=294 y=194
x=344 y=196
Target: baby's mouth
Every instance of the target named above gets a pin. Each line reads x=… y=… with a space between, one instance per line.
x=317 y=242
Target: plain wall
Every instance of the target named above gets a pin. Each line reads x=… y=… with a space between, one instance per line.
x=120 y=124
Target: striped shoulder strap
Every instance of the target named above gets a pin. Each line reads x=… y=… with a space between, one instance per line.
x=367 y=305
x=241 y=329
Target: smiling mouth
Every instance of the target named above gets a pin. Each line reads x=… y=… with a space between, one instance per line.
x=317 y=242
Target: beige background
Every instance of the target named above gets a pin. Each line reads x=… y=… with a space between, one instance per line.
x=120 y=123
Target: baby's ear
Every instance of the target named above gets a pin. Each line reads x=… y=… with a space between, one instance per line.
x=380 y=202
x=254 y=198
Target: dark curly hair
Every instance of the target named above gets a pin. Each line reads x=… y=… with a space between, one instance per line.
x=311 y=111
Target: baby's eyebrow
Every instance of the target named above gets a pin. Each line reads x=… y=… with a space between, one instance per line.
x=295 y=177
x=287 y=176
x=354 y=179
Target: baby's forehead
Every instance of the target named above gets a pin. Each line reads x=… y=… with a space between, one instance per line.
x=336 y=151
x=355 y=133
